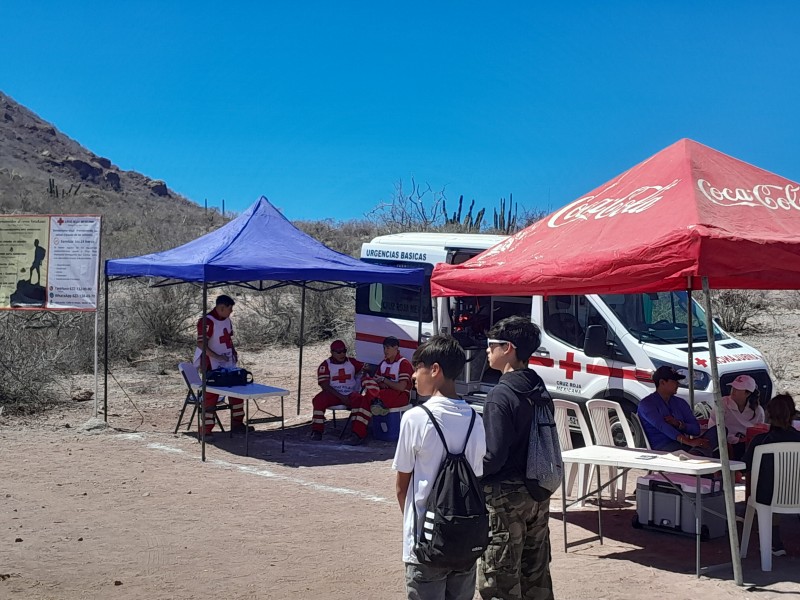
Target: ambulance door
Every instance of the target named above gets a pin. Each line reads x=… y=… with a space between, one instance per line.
x=561 y=361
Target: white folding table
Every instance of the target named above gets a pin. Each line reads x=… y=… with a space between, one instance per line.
x=253 y=391
x=626 y=459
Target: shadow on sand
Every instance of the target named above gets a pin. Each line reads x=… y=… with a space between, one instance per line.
x=671 y=552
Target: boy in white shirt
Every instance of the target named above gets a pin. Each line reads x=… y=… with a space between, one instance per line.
x=420 y=453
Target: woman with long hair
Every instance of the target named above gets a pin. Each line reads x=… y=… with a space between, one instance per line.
x=781 y=411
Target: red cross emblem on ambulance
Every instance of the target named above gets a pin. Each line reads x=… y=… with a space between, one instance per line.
x=570 y=366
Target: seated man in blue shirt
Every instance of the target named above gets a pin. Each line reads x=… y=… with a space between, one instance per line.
x=668 y=422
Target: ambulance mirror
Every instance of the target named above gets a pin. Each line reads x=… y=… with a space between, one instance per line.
x=594 y=343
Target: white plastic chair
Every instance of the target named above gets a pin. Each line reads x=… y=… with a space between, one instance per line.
x=785 y=495
x=603 y=436
x=641 y=428
x=562 y=410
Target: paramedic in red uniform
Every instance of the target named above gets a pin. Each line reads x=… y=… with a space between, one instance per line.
x=340 y=379
x=219 y=353
x=394 y=380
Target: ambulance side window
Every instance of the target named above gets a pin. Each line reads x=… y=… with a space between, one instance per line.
x=589 y=316
x=560 y=320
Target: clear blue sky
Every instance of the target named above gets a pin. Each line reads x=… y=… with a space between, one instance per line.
x=324 y=106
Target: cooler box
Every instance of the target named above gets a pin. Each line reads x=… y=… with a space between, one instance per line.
x=387 y=427
x=660 y=506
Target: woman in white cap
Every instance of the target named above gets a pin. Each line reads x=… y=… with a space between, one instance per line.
x=742 y=410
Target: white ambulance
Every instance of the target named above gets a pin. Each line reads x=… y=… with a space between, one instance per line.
x=593 y=346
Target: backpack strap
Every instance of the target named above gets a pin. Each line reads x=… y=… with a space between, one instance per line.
x=441 y=437
x=439 y=430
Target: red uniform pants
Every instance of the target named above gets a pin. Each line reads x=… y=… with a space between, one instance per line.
x=237 y=411
x=362 y=415
x=325 y=400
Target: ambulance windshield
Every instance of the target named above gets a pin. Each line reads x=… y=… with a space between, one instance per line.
x=660 y=318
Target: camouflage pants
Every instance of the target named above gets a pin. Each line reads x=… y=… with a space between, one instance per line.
x=516 y=565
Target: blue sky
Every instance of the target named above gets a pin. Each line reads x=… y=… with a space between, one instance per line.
x=324 y=107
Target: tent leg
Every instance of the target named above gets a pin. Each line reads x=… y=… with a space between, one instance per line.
x=690 y=337
x=302 y=339
x=727 y=482
x=203 y=360
x=105 y=356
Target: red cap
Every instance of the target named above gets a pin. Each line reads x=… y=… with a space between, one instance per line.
x=338 y=346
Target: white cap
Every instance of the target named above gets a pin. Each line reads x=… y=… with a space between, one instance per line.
x=744 y=382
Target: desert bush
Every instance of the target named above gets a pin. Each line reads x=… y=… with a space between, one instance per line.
x=40 y=351
x=142 y=317
x=736 y=309
x=273 y=317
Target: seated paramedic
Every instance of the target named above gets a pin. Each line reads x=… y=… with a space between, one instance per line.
x=394 y=386
x=340 y=379
x=668 y=421
x=742 y=410
x=780 y=412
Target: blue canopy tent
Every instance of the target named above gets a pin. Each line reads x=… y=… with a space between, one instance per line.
x=258 y=250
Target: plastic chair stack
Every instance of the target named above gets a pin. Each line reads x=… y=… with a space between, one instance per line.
x=603 y=436
x=562 y=414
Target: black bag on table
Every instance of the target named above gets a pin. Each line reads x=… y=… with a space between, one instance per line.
x=228 y=377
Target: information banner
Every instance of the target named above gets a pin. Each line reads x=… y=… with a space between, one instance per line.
x=49 y=262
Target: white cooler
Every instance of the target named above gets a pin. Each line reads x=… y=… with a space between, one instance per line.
x=660 y=506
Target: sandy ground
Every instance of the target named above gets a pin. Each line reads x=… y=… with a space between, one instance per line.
x=132 y=512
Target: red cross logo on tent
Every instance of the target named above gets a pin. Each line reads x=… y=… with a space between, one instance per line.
x=342 y=376
x=701 y=362
x=60 y=221
x=569 y=365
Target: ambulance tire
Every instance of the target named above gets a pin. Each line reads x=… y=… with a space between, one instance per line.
x=635 y=523
x=617 y=432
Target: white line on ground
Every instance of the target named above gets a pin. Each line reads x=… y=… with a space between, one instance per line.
x=252 y=470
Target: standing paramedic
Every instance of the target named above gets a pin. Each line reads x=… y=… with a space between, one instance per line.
x=394 y=380
x=516 y=564
x=419 y=455
x=219 y=353
x=340 y=379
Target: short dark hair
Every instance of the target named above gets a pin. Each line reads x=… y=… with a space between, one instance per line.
x=225 y=300
x=444 y=350
x=391 y=341
x=519 y=331
x=781 y=411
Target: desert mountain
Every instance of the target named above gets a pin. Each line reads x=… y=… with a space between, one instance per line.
x=44 y=171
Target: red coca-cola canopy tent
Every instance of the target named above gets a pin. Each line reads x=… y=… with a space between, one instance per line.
x=687 y=211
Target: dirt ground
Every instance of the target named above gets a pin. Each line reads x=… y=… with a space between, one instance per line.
x=132 y=512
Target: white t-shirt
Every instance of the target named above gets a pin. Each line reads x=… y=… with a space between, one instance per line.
x=420 y=450
x=737 y=421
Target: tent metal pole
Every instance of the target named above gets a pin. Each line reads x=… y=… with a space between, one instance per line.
x=302 y=339
x=727 y=480
x=203 y=359
x=419 y=316
x=690 y=337
x=105 y=354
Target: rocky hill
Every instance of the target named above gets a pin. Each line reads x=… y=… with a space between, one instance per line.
x=44 y=171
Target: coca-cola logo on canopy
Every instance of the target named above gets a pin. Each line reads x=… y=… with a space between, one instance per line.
x=594 y=207
x=771 y=196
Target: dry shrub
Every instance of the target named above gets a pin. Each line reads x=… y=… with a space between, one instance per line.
x=40 y=351
x=273 y=317
x=737 y=309
x=142 y=317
